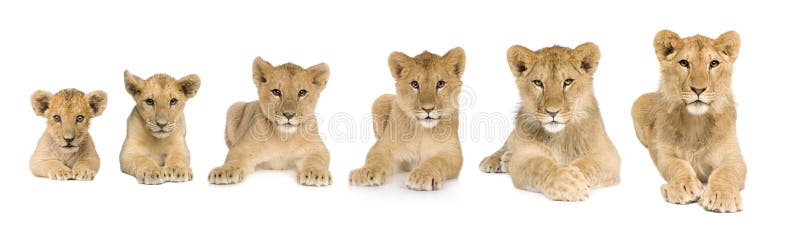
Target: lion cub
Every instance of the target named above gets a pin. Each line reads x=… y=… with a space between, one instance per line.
x=417 y=128
x=279 y=130
x=689 y=124
x=155 y=148
x=559 y=146
x=66 y=150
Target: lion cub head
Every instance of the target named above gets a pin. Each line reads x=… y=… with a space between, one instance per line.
x=428 y=84
x=160 y=99
x=555 y=83
x=68 y=113
x=696 y=69
x=288 y=93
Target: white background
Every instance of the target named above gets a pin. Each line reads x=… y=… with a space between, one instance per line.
x=87 y=45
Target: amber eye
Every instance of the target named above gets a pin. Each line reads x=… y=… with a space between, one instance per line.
x=79 y=118
x=276 y=92
x=302 y=93
x=568 y=82
x=538 y=83
x=684 y=63
x=440 y=84
x=173 y=101
x=57 y=118
x=713 y=64
x=415 y=84
x=150 y=102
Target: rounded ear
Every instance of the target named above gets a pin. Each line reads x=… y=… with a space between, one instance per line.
x=133 y=84
x=398 y=62
x=456 y=59
x=260 y=70
x=520 y=59
x=666 y=43
x=589 y=56
x=97 y=102
x=40 y=100
x=319 y=74
x=728 y=44
x=189 y=85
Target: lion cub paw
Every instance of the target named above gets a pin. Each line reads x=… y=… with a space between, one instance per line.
x=721 y=200
x=178 y=173
x=314 y=177
x=494 y=164
x=83 y=174
x=226 y=175
x=682 y=191
x=150 y=175
x=368 y=176
x=424 y=180
x=61 y=173
x=567 y=183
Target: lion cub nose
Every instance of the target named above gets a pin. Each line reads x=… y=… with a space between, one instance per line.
x=427 y=110
x=698 y=91
x=161 y=125
x=69 y=139
x=288 y=115
x=552 y=113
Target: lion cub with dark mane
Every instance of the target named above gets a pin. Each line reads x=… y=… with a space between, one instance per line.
x=559 y=145
x=279 y=130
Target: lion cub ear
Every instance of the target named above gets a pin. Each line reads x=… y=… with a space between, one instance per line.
x=40 y=100
x=398 y=63
x=97 y=102
x=728 y=44
x=189 y=85
x=666 y=43
x=260 y=70
x=319 y=74
x=589 y=56
x=519 y=59
x=456 y=59
x=133 y=84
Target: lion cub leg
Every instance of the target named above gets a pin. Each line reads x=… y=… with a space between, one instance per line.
x=682 y=185
x=722 y=193
x=535 y=171
x=431 y=173
x=312 y=169
x=239 y=163
x=176 y=167
x=379 y=166
x=87 y=165
x=52 y=169
x=497 y=162
x=141 y=166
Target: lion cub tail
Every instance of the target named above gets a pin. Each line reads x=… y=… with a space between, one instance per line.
x=380 y=113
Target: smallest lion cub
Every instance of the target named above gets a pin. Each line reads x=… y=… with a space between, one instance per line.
x=65 y=150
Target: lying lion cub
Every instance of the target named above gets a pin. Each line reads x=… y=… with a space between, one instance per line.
x=279 y=131
x=558 y=146
x=418 y=127
x=66 y=150
x=689 y=124
x=155 y=149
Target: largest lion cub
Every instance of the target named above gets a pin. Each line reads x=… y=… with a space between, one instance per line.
x=689 y=124
x=418 y=127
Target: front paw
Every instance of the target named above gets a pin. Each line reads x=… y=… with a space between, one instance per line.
x=226 y=175
x=150 y=175
x=368 y=176
x=61 y=173
x=178 y=173
x=682 y=191
x=84 y=174
x=314 y=177
x=422 y=179
x=494 y=164
x=721 y=200
x=567 y=183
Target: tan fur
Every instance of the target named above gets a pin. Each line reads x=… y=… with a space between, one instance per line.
x=153 y=154
x=66 y=150
x=691 y=146
x=261 y=136
x=564 y=161
x=405 y=138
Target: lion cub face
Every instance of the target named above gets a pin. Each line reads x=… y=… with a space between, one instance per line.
x=288 y=93
x=160 y=99
x=553 y=81
x=68 y=114
x=695 y=69
x=428 y=85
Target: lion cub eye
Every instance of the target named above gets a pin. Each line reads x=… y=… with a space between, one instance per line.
x=415 y=84
x=538 y=83
x=276 y=92
x=684 y=63
x=302 y=93
x=713 y=64
x=440 y=84
x=79 y=118
x=149 y=101
x=568 y=82
x=57 y=118
x=173 y=101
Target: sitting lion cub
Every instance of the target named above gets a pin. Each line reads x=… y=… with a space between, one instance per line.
x=417 y=128
x=155 y=149
x=559 y=146
x=66 y=150
x=279 y=130
x=689 y=124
